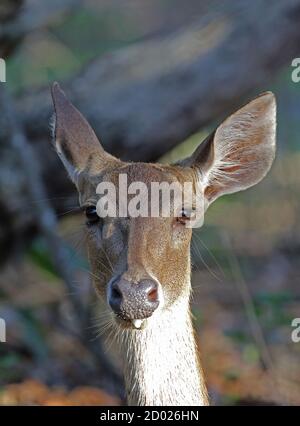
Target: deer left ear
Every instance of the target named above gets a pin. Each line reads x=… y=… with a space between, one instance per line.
x=241 y=150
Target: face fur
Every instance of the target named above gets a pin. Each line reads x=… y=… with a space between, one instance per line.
x=141 y=265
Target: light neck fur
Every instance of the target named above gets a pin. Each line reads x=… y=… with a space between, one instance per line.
x=161 y=362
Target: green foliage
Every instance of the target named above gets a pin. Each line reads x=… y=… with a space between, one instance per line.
x=271 y=308
x=251 y=354
x=9 y=367
x=33 y=333
x=39 y=255
x=68 y=46
x=89 y=33
x=238 y=336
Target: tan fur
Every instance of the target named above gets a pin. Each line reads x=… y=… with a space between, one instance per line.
x=161 y=362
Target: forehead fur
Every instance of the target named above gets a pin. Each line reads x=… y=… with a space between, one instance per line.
x=149 y=172
x=135 y=172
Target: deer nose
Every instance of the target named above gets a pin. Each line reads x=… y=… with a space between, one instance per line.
x=133 y=301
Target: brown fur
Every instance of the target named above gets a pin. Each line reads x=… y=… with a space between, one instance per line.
x=160 y=361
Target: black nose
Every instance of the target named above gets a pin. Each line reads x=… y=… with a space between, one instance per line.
x=133 y=301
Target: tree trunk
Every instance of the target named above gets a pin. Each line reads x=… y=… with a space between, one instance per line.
x=147 y=98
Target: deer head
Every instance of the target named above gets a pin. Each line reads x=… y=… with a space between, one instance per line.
x=147 y=259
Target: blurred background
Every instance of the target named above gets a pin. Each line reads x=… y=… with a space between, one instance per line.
x=153 y=78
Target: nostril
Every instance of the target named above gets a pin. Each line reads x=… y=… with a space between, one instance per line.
x=115 y=297
x=152 y=295
x=116 y=294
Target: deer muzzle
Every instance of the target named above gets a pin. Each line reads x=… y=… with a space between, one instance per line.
x=133 y=301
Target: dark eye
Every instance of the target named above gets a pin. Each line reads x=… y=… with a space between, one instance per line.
x=91 y=215
x=184 y=216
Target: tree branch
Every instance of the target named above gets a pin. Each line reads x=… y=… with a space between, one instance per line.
x=145 y=99
x=17 y=19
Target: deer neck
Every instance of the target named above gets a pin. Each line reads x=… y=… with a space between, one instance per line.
x=161 y=362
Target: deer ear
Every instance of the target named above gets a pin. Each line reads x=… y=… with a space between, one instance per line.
x=75 y=141
x=241 y=150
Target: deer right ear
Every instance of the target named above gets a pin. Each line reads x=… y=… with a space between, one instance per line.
x=241 y=150
x=75 y=141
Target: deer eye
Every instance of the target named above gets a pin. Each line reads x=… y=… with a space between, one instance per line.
x=91 y=215
x=184 y=216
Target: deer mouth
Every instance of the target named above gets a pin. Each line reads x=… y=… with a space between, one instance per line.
x=133 y=324
x=137 y=323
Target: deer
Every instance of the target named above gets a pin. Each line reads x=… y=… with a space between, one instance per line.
x=147 y=286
